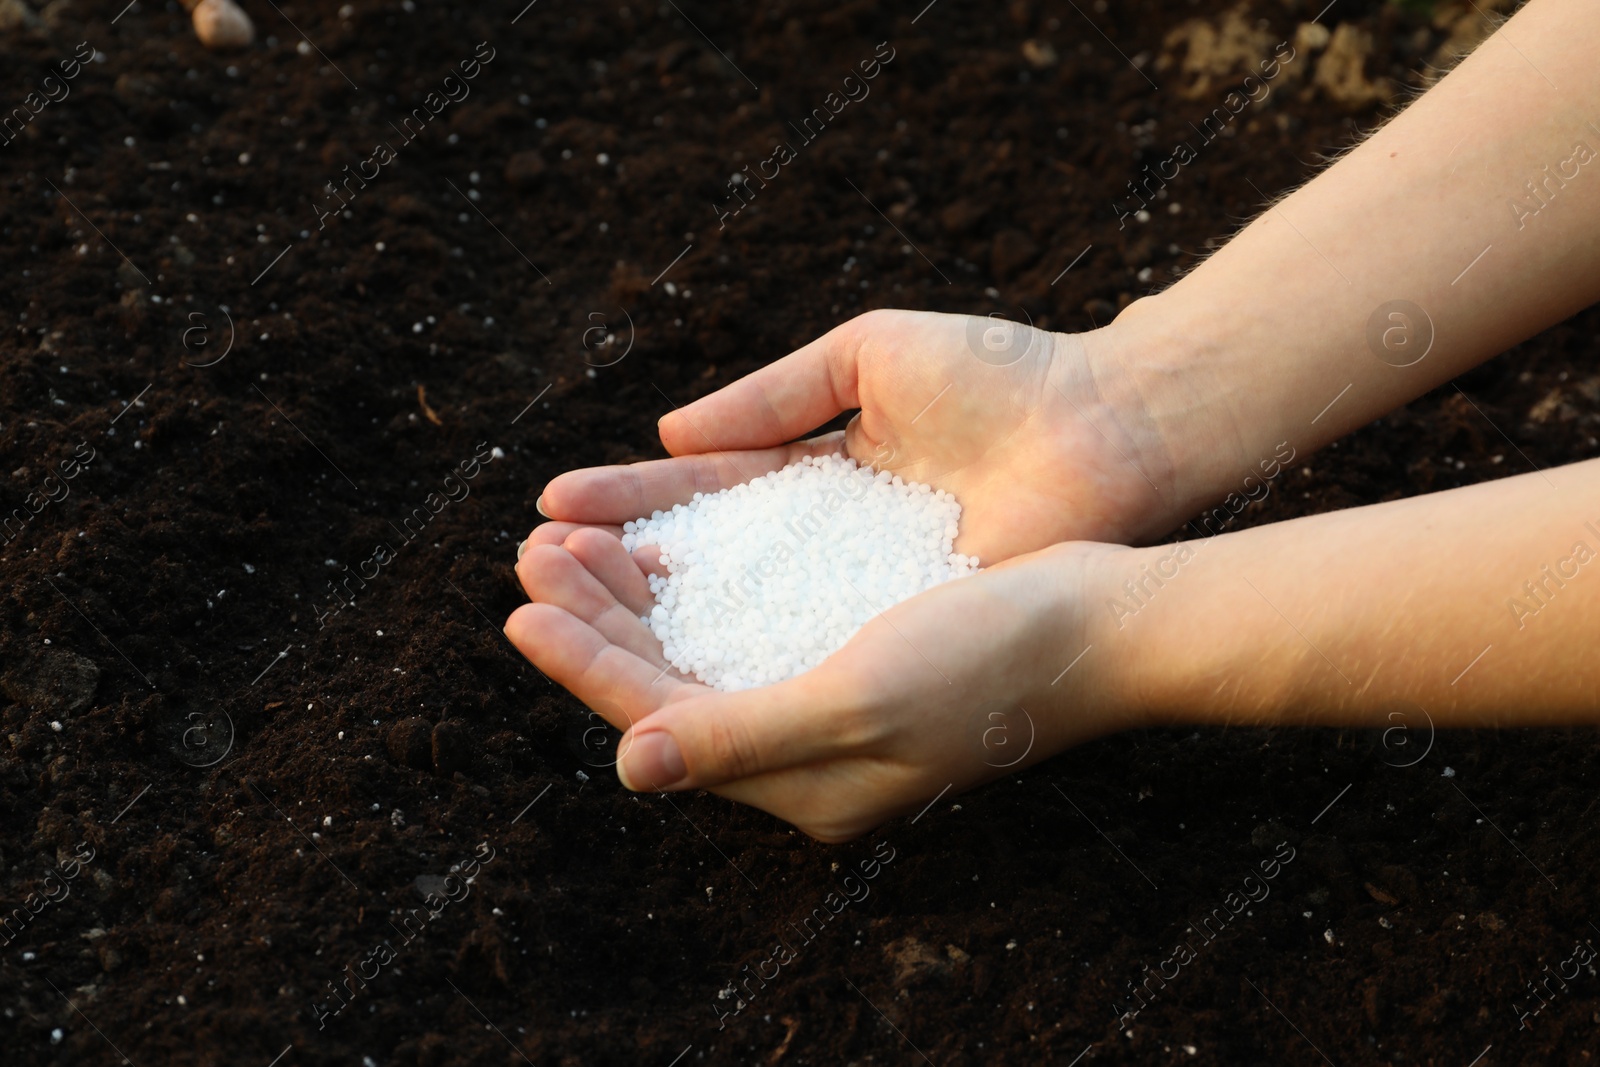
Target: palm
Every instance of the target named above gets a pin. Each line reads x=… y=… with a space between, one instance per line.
x=1007 y=418
x=999 y=415
x=904 y=709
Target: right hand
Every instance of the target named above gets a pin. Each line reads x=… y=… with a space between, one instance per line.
x=957 y=686
x=1039 y=435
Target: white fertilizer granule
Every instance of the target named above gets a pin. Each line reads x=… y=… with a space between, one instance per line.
x=769 y=578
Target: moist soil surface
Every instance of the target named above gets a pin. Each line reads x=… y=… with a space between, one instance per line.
x=231 y=803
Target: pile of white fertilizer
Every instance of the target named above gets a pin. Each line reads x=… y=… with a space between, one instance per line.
x=769 y=578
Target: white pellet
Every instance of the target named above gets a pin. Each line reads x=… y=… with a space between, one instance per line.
x=769 y=578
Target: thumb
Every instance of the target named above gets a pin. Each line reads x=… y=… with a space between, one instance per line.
x=725 y=737
x=780 y=402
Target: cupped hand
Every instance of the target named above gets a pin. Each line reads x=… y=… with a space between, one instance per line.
x=1040 y=436
x=951 y=688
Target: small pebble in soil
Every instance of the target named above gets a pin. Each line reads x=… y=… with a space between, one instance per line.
x=769 y=578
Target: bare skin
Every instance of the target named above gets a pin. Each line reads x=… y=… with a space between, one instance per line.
x=1006 y=437
x=1122 y=434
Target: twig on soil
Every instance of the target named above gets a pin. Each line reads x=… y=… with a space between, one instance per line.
x=422 y=398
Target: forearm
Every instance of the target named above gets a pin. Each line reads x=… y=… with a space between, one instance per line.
x=1268 y=340
x=1480 y=605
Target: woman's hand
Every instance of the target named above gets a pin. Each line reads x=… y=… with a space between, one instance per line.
x=954 y=687
x=1041 y=436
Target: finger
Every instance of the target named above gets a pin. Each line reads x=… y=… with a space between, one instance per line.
x=617 y=494
x=719 y=738
x=780 y=402
x=649 y=560
x=621 y=686
x=879 y=454
x=554 y=533
x=604 y=557
x=554 y=576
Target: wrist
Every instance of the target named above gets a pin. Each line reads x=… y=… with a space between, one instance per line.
x=1189 y=639
x=1088 y=673
x=1122 y=603
x=1162 y=359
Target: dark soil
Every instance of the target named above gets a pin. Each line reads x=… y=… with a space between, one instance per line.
x=242 y=804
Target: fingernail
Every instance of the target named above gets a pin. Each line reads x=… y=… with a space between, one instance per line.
x=521 y=549
x=652 y=762
x=538 y=505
